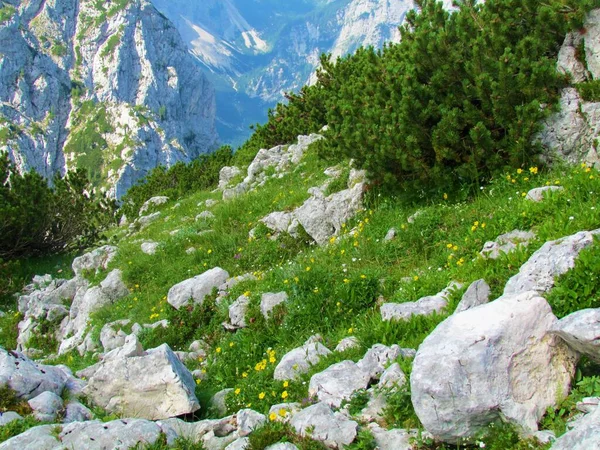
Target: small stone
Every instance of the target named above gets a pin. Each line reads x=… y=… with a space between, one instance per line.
x=537 y=194
x=205 y=215
x=8 y=417
x=270 y=300
x=149 y=248
x=391 y=234
x=249 y=420
x=46 y=406
x=347 y=343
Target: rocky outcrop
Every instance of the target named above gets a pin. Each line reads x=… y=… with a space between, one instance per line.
x=570 y=134
x=110 y=88
x=153 y=384
x=478 y=293
x=496 y=360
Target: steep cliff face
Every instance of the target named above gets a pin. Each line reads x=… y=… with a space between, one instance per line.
x=105 y=86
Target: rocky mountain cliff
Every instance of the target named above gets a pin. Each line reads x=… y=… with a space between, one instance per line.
x=254 y=51
x=105 y=86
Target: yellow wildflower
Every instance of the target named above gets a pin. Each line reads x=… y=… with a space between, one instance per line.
x=261 y=395
x=286 y=384
x=272 y=417
x=237 y=391
x=284 y=395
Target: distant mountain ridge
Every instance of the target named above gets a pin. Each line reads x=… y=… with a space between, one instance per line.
x=105 y=86
x=255 y=50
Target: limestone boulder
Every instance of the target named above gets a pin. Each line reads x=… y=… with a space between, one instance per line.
x=585 y=435
x=347 y=343
x=149 y=248
x=152 y=203
x=237 y=312
x=299 y=360
x=95 y=260
x=8 y=417
x=320 y=423
x=270 y=300
x=395 y=439
x=537 y=194
x=249 y=420
x=151 y=385
x=553 y=259
x=46 y=406
x=338 y=383
x=581 y=331
x=494 y=361
x=478 y=293
x=77 y=412
x=196 y=289
x=506 y=243
x=226 y=174
x=378 y=358
x=425 y=306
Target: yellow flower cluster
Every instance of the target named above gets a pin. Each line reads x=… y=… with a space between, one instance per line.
x=476 y=225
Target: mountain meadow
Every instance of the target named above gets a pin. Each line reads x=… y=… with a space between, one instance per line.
x=405 y=256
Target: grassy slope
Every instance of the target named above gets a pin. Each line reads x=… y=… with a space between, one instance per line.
x=334 y=290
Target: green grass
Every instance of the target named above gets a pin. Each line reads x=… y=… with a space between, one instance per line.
x=335 y=290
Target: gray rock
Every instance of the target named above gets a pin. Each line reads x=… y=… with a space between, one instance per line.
x=568 y=63
x=392 y=378
x=391 y=235
x=145 y=221
x=112 y=335
x=299 y=360
x=210 y=441
x=554 y=258
x=477 y=366
x=395 y=439
x=270 y=300
x=282 y=446
x=8 y=417
x=322 y=217
x=322 y=424
x=205 y=215
x=46 y=406
x=95 y=260
x=132 y=347
x=76 y=412
x=197 y=288
x=279 y=221
x=29 y=379
x=226 y=174
x=249 y=420
x=477 y=294
x=285 y=411
x=237 y=312
x=113 y=286
x=338 y=383
x=149 y=248
x=239 y=444
x=423 y=307
x=377 y=358
x=347 y=343
x=585 y=436
x=411 y=219
x=152 y=203
x=218 y=402
x=506 y=243
x=581 y=331
x=545 y=436
x=588 y=404
x=153 y=386
x=235 y=191
x=537 y=194
x=375 y=407
x=41 y=437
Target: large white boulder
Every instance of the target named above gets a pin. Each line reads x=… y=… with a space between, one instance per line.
x=338 y=383
x=196 y=289
x=494 y=361
x=554 y=258
x=95 y=260
x=153 y=385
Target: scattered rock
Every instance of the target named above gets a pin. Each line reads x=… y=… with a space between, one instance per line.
x=270 y=300
x=299 y=360
x=197 y=288
x=112 y=335
x=377 y=358
x=280 y=222
x=479 y=365
x=249 y=420
x=237 y=312
x=205 y=215
x=76 y=412
x=285 y=411
x=155 y=385
x=395 y=439
x=506 y=243
x=145 y=221
x=190 y=251
x=8 y=417
x=42 y=437
x=553 y=259
x=29 y=379
x=282 y=446
x=588 y=404
x=46 y=406
x=347 y=343
x=152 y=203
x=581 y=331
x=226 y=174
x=392 y=378
x=391 y=235
x=239 y=444
x=218 y=402
x=149 y=248
x=414 y=217
x=423 y=307
x=338 y=383
x=585 y=435
x=537 y=194
x=210 y=203
x=477 y=294
x=95 y=260
x=319 y=422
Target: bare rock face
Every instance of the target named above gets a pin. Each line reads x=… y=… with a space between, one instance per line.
x=495 y=360
x=107 y=87
x=151 y=385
